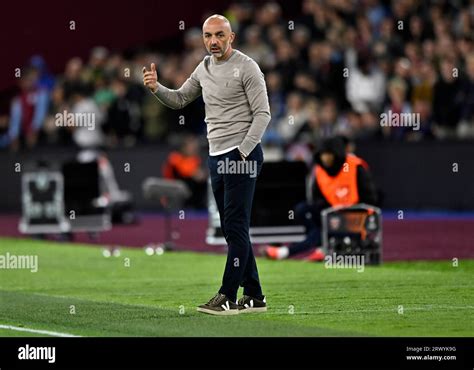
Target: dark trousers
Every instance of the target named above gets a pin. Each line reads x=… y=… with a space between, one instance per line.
x=234 y=194
x=310 y=216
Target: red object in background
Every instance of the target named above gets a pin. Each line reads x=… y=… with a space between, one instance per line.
x=28 y=101
x=179 y=166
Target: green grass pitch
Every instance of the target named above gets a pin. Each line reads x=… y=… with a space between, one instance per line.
x=78 y=291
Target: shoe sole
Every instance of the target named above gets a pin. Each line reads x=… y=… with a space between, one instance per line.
x=218 y=313
x=253 y=309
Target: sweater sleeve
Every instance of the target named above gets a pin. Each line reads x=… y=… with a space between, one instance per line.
x=256 y=91
x=178 y=99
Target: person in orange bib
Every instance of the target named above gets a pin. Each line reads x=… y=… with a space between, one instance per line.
x=186 y=165
x=337 y=179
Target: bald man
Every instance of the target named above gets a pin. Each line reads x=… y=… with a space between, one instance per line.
x=237 y=114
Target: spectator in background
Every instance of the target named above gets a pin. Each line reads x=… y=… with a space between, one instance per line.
x=310 y=132
x=387 y=39
x=289 y=125
x=276 y=35
x=428 y=50
x=326 y=67
x=463 y=23
x=376 y=14
x=88 y=120
x=103 y=94
x=424 y=79
x=286 y=63
x=397 y=107
x=268 y=15
x=306 y=84
x=306 y=18
x=369 y=126
x=300 y=38
x=466 y=125
x=320 y=20
x=401 y=12
x=403 y=71
x=446 y=102
x=276 y=98
x=349 y=124
x=55 y=134
x=418 y=30
x=328 y=118
x=240 y=15
x=73 y=78
x=28 y=111
x=194 y=50
x=256 y=49
x=45 y=79
x=94 y=71
x=4 y=135
x=365 y=85
x=123 y=119
x=423 y=109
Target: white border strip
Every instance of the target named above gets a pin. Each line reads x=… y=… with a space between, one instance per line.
x=46 y=332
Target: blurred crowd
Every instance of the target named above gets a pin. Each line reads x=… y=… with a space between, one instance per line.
x=335 y=68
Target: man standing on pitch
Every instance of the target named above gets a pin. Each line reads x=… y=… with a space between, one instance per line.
x=237 y=114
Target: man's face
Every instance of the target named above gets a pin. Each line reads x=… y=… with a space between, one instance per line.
x=327 y=159
x=217 y=37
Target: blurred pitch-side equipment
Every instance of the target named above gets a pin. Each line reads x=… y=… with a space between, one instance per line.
x=87 y=208
x=83 y=197
x=170 y=195
x=280 y=185
x=43 y=203
x=354 y=230
x=93 y=198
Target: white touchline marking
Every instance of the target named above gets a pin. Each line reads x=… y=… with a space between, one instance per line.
x=46 y=332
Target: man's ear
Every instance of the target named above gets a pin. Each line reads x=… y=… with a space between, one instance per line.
x=232 y=37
